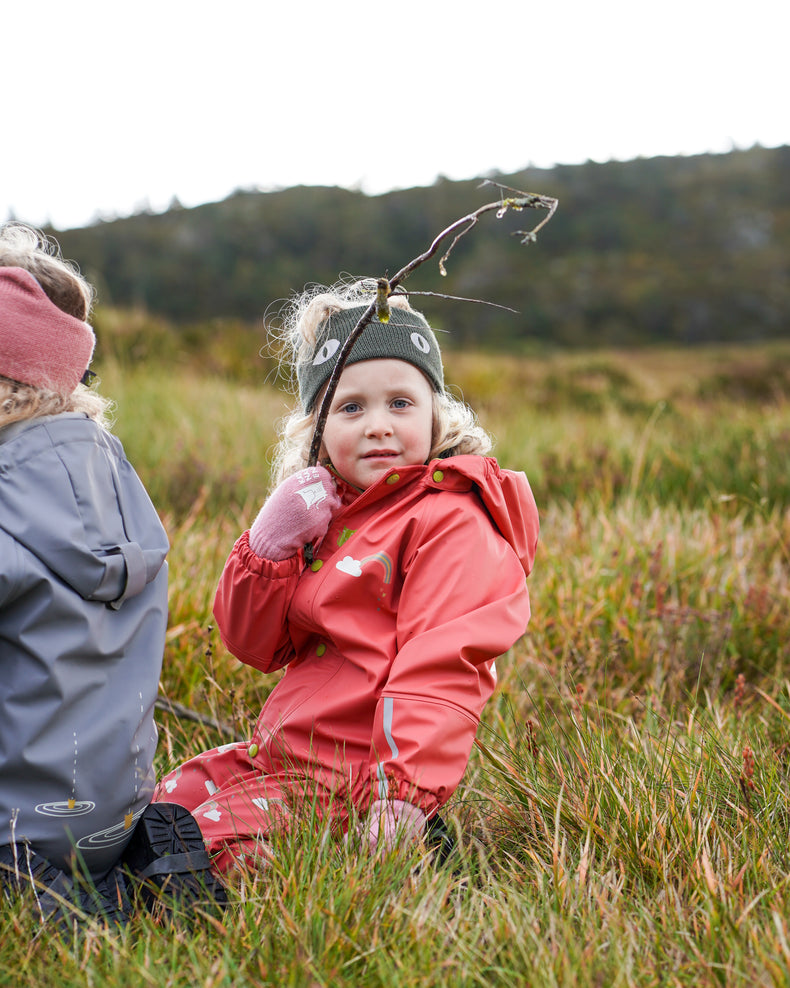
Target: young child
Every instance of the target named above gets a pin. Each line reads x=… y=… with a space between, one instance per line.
x=421 y=548
x=83 y=603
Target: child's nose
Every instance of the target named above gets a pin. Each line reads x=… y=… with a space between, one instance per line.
x=378 y=424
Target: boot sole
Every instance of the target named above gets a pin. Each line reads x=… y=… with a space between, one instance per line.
x=167 y=857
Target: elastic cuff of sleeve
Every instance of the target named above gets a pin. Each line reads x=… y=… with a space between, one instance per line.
x=272 y=569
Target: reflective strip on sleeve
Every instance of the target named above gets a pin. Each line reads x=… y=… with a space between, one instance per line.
x=387 y=712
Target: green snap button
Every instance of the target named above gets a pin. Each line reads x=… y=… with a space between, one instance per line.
x=393 y=478
x=252 y=751
x=321 y=649
x=316 y=565
x=438 y=476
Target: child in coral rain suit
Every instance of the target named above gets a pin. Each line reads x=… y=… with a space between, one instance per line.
x=421 y=549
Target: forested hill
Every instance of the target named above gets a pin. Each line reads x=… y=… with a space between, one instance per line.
x=683 y=250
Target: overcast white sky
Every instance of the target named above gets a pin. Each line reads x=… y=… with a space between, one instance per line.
x=108 y=108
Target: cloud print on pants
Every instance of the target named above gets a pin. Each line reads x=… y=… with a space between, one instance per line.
x=350 y=565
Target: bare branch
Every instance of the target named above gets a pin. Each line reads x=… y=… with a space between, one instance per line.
x=386 y=287
x=331 y=386
x=457 y=298
x=186 y=713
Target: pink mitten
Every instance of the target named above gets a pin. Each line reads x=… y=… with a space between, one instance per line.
x=391 y=821
x=295 y=513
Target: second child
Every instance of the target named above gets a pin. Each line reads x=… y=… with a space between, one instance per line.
x=421 y=548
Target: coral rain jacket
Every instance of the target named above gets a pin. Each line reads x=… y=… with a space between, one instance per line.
x=389 y=637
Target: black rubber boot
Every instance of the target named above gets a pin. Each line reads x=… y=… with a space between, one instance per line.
x=439 y=840
x=22 y=870
x=106 y=899
x=167 y=859
x=62 y=901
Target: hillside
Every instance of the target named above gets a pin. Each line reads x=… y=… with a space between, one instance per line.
x=684 y=250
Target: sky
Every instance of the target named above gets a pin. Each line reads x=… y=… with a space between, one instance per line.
x=110 y=109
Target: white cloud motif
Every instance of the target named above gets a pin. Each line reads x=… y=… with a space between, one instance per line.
x=350 y=565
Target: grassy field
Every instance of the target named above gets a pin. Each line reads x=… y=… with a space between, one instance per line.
x=625 y=819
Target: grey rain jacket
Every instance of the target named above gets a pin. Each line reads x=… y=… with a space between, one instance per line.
x=83 y=613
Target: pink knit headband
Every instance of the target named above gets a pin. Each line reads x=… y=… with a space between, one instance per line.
x=39 y=343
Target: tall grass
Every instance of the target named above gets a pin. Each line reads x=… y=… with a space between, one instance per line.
x=624 y=818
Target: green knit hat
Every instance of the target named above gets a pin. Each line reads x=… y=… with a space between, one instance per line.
x=407 y=336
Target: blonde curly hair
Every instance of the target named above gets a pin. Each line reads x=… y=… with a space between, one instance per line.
x=22 y=246
x=455 y=426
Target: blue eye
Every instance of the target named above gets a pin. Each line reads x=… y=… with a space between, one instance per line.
x=401 y=403
x=350 y=407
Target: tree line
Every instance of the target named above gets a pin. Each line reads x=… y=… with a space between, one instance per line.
x=668 y=249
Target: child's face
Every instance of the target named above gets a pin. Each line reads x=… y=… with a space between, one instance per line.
x=381 y=417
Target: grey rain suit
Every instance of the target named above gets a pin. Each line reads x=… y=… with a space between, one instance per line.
x=83 y=613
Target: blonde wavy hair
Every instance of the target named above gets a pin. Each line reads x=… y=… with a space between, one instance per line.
x=23 y=401
x=455 y=427
x=23 y=246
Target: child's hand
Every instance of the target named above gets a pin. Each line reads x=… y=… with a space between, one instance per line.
x=391 y=821
x=297 y=512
